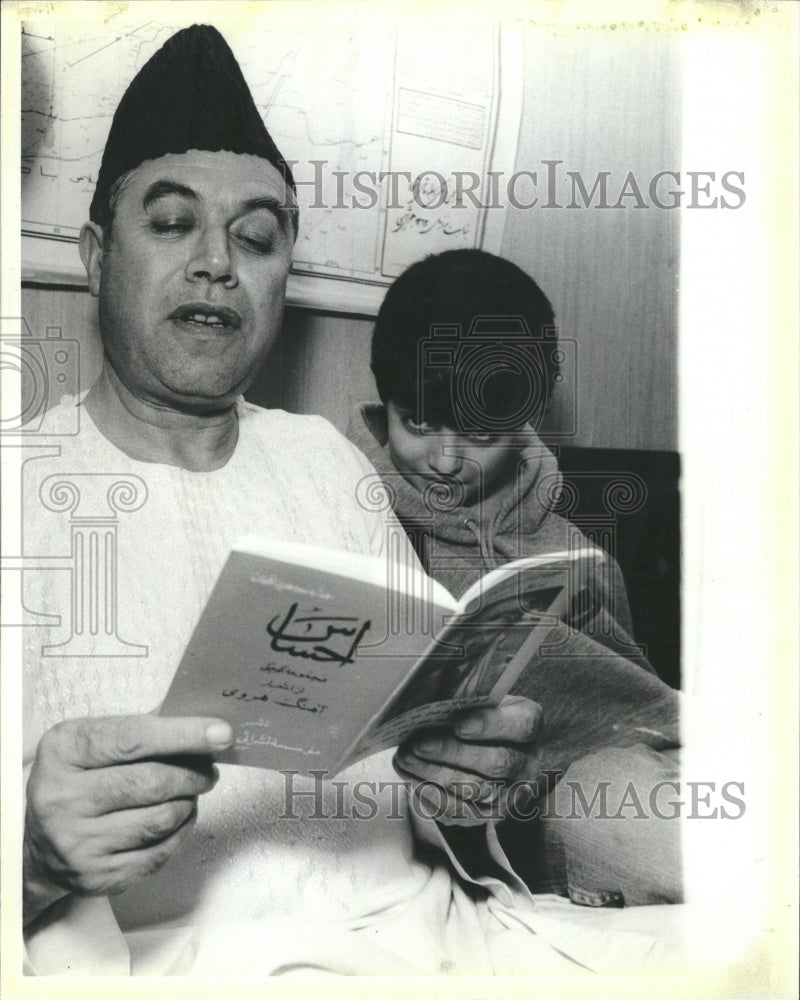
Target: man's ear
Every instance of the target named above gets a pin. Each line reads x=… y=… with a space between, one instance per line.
x=91 y=248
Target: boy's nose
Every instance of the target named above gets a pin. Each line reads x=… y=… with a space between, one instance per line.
x=443 y=456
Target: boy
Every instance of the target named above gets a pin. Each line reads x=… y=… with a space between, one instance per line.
x=465 y=358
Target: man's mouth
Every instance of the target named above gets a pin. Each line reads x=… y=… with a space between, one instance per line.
x=208 y=317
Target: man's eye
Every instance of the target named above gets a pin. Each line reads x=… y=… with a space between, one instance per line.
x=171 y=227
x=255 y=240
x=482 y=438
x=256 y=245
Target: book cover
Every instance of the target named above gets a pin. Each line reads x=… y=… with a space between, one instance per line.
x=319 y=657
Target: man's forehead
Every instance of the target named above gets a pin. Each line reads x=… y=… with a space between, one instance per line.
x=213 y=176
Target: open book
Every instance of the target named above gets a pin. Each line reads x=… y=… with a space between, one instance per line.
x=319 y=657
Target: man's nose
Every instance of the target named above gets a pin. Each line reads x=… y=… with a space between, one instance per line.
x=211 y=257
x=443 y=454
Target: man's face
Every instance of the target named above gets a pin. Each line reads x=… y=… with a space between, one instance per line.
x=478 y=464
x=191 y=287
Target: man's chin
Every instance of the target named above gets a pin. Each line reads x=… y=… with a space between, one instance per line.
x=201 y=401
x=202 y=392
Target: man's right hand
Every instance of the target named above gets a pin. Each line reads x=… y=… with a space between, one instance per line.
x=110 y=799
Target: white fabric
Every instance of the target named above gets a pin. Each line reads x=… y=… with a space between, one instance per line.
x=251 y=893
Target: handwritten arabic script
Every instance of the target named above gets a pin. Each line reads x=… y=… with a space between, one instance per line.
x=432 y=204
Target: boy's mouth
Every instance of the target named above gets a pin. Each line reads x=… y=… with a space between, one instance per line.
x=443 y=492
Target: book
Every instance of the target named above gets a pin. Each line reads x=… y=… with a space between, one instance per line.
x=319 y=657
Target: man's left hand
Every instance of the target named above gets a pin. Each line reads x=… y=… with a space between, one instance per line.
x=471 y=770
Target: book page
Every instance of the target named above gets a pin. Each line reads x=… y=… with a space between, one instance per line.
x=480 y=653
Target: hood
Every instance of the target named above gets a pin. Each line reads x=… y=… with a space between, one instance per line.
x=522 y=509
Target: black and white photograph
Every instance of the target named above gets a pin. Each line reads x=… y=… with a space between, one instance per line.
x=390 y=296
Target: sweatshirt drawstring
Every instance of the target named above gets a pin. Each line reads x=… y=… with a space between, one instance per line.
x=485 y=542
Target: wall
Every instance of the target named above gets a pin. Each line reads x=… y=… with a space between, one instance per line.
x=598 y=101
x=606 y=101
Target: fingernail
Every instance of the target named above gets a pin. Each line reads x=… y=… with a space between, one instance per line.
x=220 y=734
x=470 y=727
x=429 y=745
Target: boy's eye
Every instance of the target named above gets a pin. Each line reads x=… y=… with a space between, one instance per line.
x=479 y=437
x=415 y=427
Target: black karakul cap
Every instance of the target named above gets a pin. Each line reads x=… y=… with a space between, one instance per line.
x=191 y=94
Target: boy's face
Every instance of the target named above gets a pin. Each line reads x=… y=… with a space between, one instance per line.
x=478 y=463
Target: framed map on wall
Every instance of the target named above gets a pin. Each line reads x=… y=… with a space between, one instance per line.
x=397 y=131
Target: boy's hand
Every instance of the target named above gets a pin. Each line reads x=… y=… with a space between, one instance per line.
x=469 y=771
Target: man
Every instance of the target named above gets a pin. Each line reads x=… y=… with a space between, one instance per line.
x=188 y=252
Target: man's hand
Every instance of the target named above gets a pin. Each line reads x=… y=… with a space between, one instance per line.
x=110 y=799
x=477 y=762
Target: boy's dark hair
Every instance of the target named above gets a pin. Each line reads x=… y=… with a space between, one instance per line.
x=466 y=340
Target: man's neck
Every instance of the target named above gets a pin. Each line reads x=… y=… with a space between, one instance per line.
x=152 y=433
